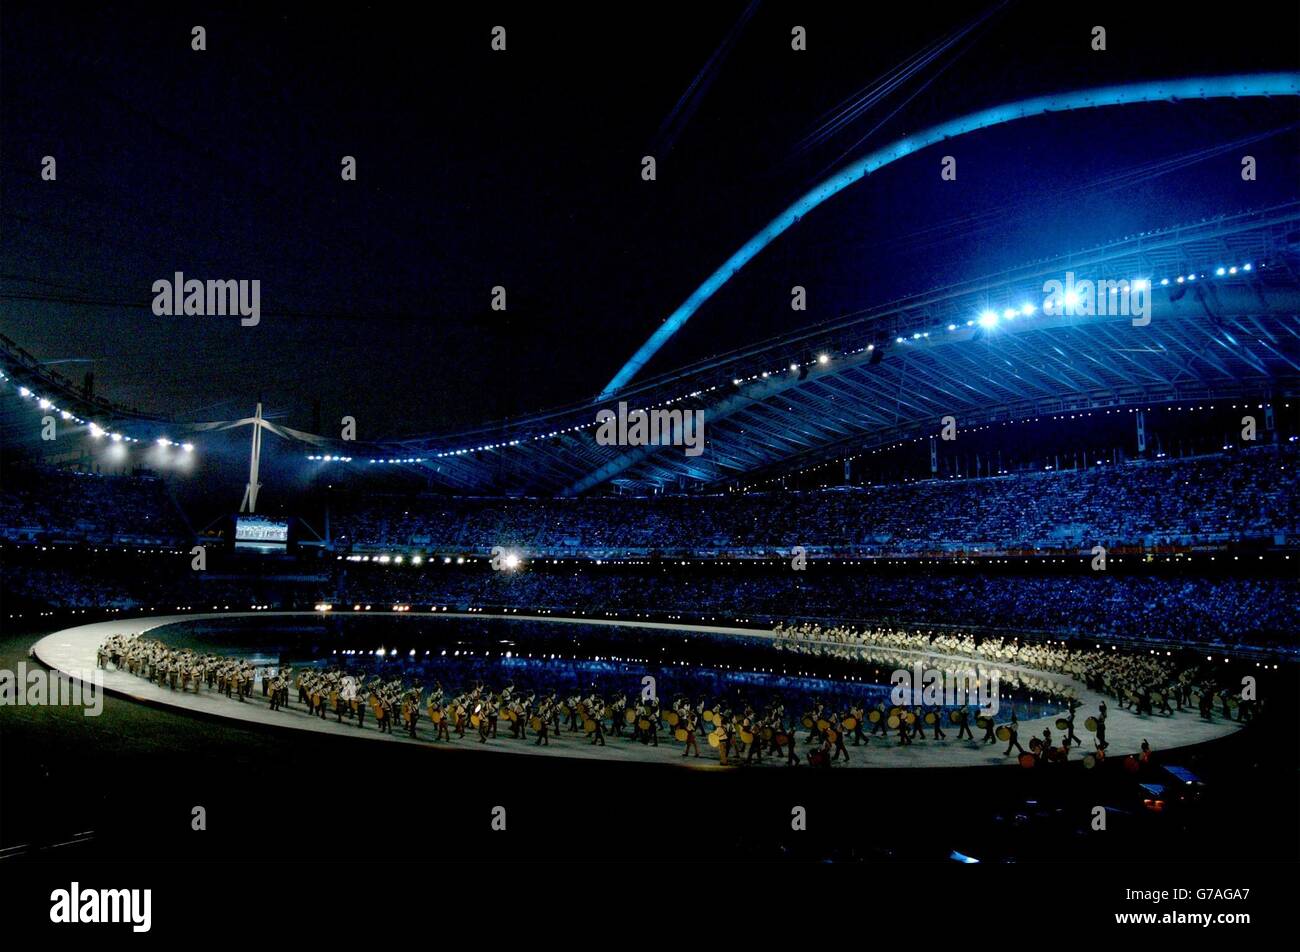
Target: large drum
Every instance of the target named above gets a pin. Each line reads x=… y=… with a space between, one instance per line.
x=1004 y=733
x=1091 y=724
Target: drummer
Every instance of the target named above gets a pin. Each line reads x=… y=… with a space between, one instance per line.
x=880 y=724
x=963 y=723
x=837 y=728
x=1013 y=740
x=1070 y=736
x=543 y=724
x=938 y=724
x=691 y=726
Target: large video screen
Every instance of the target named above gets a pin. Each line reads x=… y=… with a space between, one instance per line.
x=251 y=530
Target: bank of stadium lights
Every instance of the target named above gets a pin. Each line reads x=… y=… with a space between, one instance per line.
x=95 y=430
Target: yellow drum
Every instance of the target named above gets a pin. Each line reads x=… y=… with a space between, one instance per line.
x=680 y=733
x=589 y=726
x=629 y=715
x=644 y=724
x=893 y=722
x=850 y=723
x=746 y=737
x=1004 y=733
x=714 y=739
x=874 y=717
x=1091 y=724
x=535 y=723
x=931 y=718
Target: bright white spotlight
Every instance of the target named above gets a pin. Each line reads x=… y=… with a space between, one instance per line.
x=1232 y=270
x=117 y=437
x=1009 y=313
x=163 y=441
x=1027 y=309
x=1220 y=271
x=1164 y=282
x=823 y=359
x=43 y=403
x=23 y=391
x=188 y=447
x=1141 y=284
x=988 y=319
x=1245 y=267
x=511 y=561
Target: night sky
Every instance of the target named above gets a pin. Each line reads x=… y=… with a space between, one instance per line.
x=522 y=168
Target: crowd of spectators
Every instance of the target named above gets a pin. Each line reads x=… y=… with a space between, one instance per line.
x=46 y=504
x=1207 y=500
x=1250 y=494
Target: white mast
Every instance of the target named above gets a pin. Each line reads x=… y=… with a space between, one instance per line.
x=250 y=491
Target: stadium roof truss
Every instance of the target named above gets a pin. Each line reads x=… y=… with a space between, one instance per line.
x=892 y=373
